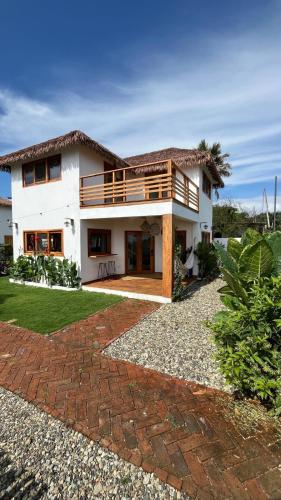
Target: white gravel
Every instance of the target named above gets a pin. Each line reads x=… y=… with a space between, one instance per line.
x=175 y=340
x=67 y=463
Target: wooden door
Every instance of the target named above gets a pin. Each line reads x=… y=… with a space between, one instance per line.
x=139 y=252
x=181 y=240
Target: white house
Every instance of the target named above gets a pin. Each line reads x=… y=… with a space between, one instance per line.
x=115 y=217
x=6 y=234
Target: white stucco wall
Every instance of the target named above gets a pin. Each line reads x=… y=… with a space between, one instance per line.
x=118 y=228
x=5 y=230
x=45 y=206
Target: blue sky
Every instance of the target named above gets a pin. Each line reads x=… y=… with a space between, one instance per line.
x=139 y=76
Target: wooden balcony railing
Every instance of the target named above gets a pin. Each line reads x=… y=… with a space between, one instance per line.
x=121 y=186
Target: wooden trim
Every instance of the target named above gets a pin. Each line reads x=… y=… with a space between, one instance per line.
x=167 y=185
x=107 y=232
x=168 y=245
x=42 y=231
x=47 y=175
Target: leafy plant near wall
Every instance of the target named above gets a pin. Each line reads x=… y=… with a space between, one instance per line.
x=179 y=289
x=6 y=257
x=248 y=332
x=51 y=270
x=207 y=259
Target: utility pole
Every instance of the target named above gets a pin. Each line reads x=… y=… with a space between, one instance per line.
x=275 y=200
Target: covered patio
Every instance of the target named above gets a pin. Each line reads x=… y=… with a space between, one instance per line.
x=144 y=286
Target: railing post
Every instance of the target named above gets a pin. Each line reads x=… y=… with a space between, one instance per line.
x=170 y=179
x=81 y=190
x=113 y=186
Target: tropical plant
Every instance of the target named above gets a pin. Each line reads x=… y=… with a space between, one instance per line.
x=178 y=290
x=48 y=269
x=244 y=262
x=207 y=259
x=248 y=332
x=219 y=158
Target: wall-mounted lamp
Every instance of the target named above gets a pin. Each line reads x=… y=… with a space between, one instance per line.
x=68 y=222
x=12 y=223
x=204 y=224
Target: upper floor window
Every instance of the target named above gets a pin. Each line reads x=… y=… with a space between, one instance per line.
x=40 y=171
x=207 y=186
x=47 y=242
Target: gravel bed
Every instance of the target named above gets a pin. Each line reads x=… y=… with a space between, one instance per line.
x=69 y=465
x=175 y=340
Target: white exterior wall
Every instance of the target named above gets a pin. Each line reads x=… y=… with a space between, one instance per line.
x=5 y=230
x=118 y=227
x=45 y=206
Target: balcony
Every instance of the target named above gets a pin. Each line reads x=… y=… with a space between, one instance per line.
x=152 y=182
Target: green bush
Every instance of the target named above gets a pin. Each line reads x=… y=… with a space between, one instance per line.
x=52 y=270
x=6 y=257
x=247 y=333
x=207 y=259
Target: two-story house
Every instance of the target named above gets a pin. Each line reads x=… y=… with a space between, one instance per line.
x=117 y=218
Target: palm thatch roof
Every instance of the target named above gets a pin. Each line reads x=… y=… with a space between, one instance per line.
x=5 y=202
x=76 y=137
x=181 y=157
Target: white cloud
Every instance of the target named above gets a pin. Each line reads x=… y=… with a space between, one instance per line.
x=232 y=94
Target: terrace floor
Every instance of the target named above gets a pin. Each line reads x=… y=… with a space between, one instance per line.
x=149 y=284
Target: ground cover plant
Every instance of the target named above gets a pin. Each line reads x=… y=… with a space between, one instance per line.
x=248 y=332
x=44 y=310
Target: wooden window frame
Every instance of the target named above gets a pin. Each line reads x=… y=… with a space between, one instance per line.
x=206 y=185
x=47 y=171
x=42 y=231
x=206 y=235
x=107 y=232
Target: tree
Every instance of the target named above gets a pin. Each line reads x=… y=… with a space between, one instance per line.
x=224 y=168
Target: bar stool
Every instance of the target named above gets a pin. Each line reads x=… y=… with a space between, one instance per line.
x=102 y=272
x=111 y=268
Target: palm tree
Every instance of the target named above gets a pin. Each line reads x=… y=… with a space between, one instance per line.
x=222 y=165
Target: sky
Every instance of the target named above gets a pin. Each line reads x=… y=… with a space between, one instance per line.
x=141 y=76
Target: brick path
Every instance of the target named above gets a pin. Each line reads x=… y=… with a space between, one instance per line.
x=170 y=427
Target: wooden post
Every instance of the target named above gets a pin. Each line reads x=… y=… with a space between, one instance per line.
x=168 y=246
x=170 y=179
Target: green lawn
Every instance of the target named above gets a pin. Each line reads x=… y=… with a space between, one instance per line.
x=43 y=310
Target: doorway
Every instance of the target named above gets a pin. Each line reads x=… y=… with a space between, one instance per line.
x=139 y=253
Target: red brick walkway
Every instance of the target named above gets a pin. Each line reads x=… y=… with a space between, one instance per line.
x=173 y=428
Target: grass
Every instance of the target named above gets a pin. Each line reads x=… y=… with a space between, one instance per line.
x=43 y=310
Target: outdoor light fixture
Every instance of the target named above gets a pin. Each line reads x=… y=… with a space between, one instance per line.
x=68 y=222
x=205 y=225
x=12 y=223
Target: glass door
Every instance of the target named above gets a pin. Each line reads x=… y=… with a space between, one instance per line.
x=139 y=252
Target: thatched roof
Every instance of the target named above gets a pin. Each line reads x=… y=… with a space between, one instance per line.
x=5 y=202
x=181 y=157
x=76 y=137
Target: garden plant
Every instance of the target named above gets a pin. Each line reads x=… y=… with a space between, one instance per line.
x=48 y=269
x=248 y=331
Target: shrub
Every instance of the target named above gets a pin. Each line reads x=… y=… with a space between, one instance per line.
x=52 y=270
x=247 y=333
x=207 y=259
x=179 y=289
